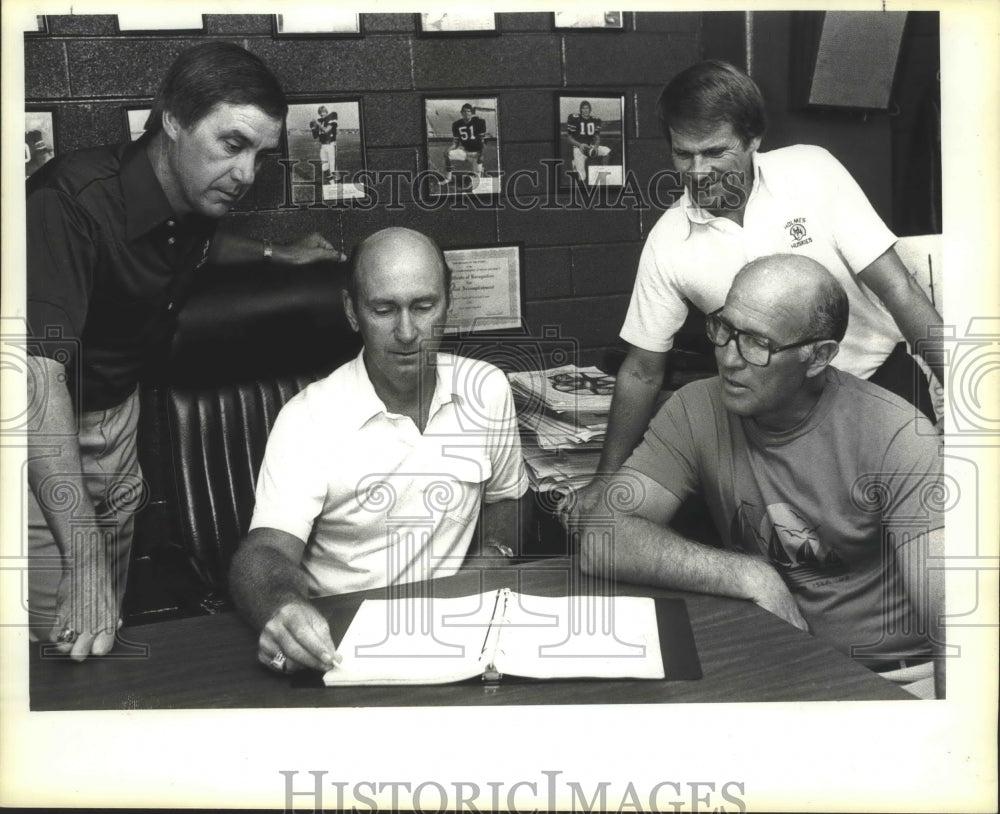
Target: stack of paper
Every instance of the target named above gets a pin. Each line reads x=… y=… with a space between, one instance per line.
x=560 y=470
x=563 y=414
x=565 y=407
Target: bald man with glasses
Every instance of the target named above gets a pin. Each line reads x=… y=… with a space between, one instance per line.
x=811 y=476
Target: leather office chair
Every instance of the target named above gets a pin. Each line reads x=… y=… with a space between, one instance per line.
x=247 y=340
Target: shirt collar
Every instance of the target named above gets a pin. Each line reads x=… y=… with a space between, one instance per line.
x=366 y=404
x=694 y=214
x=146 y=204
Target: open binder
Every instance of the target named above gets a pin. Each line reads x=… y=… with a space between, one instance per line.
x=432 y=640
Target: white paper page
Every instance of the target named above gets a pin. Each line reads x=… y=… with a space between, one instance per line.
x=580 y=636
x=414 y=641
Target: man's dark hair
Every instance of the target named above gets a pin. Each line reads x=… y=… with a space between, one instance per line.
x=831 y=312
x=351 y=283
x=209 y=74
x=709 y=94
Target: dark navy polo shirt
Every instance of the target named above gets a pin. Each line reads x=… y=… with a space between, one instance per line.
x=108 y=264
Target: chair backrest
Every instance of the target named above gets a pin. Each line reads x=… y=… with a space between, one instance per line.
x=247 y=341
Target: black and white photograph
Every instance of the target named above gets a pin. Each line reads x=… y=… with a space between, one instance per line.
x=548 y=410
x=588 y=19
x=163 y=18
x=326 y=140
x=315 y=23
x=590 y=131
x=39 y=140
x=450 y=22
x=40 y=25
x=135 y=121
x=463 y=145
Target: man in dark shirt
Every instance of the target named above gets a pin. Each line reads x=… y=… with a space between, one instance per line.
x=584 y=134
x=468 y=139
x=324 y=130
x=114 y=237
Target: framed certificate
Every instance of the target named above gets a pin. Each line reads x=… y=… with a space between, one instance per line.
x=487 y=293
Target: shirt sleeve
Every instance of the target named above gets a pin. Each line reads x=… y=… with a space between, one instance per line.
x=668 y=453
x=657 y=309
x=910 y=484
x=860 y=234
x=291 y=488
x=509 y=479
x=61 y=258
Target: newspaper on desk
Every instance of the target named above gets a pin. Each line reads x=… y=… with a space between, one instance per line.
x=563 y=413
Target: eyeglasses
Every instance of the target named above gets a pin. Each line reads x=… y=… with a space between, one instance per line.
x=755 y=350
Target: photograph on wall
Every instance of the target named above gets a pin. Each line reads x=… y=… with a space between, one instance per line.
x=486 y=290
x=588 y=19
x=591 y=143
x=317 y=23
x=39 y=140
x=161 y=17
x=135 y=121
x=463 y=145
x=324 y=136
x=462 y=23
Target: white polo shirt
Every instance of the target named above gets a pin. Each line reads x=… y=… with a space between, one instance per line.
x=802 y=201
x=376 y=501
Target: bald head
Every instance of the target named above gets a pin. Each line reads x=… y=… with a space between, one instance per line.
x=806 y=297
x=397 y=250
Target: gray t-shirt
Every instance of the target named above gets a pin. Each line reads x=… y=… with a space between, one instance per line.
x=827 y=503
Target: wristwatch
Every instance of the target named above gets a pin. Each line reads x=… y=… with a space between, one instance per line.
x=268 y=251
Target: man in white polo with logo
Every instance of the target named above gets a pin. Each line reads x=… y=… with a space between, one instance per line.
x=739 y=205
x=376 y=474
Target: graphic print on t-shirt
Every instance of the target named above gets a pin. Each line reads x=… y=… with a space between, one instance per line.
x=790 y=542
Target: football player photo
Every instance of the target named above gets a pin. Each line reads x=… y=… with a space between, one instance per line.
x=463 y=146
x=324 y=138
x=591 y=146
x=39 y=143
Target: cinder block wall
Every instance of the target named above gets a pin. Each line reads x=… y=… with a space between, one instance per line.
x=579 y=261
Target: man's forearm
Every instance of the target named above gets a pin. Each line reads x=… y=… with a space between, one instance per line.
x=631 y=409
x=634 y=549
x=230 y=249
x=54 y=464
x=262 y=580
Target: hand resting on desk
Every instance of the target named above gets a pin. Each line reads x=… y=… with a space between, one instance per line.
x=270 y=590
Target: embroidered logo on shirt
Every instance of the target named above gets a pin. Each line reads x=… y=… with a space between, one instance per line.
x=798 y=233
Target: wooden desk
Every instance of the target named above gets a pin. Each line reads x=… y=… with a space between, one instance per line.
x=211 y=662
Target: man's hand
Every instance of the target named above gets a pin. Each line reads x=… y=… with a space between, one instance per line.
x=576 y=505
x=773 y=595
x=85 y=608
x=309 y=249
x=299 y=632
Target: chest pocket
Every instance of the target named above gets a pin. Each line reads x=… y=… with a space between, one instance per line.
x=457 y=488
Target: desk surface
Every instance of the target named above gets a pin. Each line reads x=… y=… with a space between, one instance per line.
x=211 y=661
